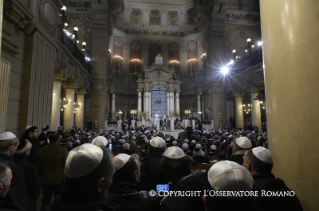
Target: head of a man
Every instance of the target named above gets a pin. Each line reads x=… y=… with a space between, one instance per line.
x=242 y=143
x=126 y=168
x=156 y=145
x=8 y=143
x=227 y=176
x=176 y=164
x=258 y=160
x=24 y=147
x=5 y=179
x=90 y=168
x=54 y=137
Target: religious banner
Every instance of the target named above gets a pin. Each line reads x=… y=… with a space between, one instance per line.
x=159 y=100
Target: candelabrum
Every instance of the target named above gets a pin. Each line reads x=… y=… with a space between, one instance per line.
x=203 y=57
x=118 y=60
x=77 y=106
x=247 y=108
x=199 y=114
x=135 y=62
x=191 y=63
x=174 y=63
x=64 y=103
x=133 y=112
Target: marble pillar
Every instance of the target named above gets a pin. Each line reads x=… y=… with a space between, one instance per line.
x=146 y=104
x=56 y=106
x=198 y=103
x=177 y=103
x=239 y=111
x=79 y=115
x=113 y=106
x=255 y=107
x=68 y=121
x=291 y=47
x=139 y=103
x=167 y=103
x=5 y=71
x=150 y=104
x=171 y=104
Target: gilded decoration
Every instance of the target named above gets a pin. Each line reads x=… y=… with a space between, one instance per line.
x=72 y=3
x=155 y=17
x=250 y=18
x=173 y=18
x=136 y=16
x=136 y=45
x=189 y=19
x=173 y=47
x=159 y=32
x=192 y=45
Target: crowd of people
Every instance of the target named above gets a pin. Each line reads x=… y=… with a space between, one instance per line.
x=117 y=170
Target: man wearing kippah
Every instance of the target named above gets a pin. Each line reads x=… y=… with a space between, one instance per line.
x=241 y=146
x=88 y=175
x=259 y=163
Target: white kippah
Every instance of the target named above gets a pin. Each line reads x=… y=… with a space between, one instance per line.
x=7 y=135
x=243 y=142
x=174 y=152
x=27 y=127
x=213 y=147
x=185 y=146
x=186 y=141
x=122 y=141
x=198 y=146
x=126 y=146
x=157 y=142
x=147 y=141
x=120 y=160
x=174 y=143
x=229 y=176
x=193 y=142
x=262 y=154
x=82 y=160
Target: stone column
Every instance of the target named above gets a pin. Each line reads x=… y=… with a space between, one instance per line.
x=146 y=15
x=177 y=103
x=182 y=18
x=291 y=50
x=145 y=104
x=68 y=120
x=239 y=111
x=127 y=16
x=167 y=103
x=139 y=103
x=79 y=115
x=198 y=102
x=113 y=105
x=230 y=111
x=56 y=106
x=5 y=70
x=171 y=104
x=150 y=104
x=164 y=18
x=255 y=107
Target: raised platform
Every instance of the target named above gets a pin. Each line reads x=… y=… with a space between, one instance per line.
x=172 y=132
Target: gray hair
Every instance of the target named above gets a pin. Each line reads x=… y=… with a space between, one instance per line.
x=5 y=144
x=3 y=172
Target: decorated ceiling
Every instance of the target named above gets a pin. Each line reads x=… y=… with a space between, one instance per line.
x=171 y=2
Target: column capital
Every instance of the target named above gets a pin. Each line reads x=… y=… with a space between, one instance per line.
x=139 y=90
x=112 y=91
x=80 y=91
x=69 y=86
x=254 y=90
x=238 y=94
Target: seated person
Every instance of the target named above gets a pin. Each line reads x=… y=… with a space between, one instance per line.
x=259 y=163
x=125 y=193
x=198 y=155
x=227 y=176
x=88 y=175
x=177 y=167
x=241 y=146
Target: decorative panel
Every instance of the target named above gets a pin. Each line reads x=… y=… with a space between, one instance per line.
x=136 y=16
x=173 y=54
x=159 y=100
x=154 y=49
x=155 y=17
x=173 y=18
x=136 y=53
x=188 y=102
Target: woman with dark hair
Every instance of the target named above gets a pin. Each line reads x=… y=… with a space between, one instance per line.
x=124 y=193
x=31 y=134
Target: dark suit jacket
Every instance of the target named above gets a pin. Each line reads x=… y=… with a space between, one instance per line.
x=50 y=163
x=17 y=195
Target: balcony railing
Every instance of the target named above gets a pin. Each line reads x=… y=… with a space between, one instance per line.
x=71 y=46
